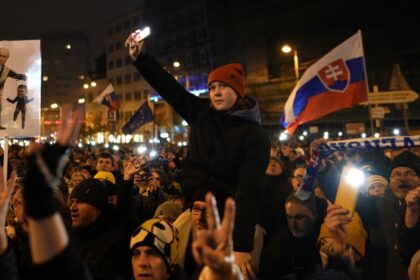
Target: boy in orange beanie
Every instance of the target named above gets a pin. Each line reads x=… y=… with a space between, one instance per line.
x=228 y=148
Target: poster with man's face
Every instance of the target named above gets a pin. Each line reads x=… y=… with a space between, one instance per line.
x=20 y=88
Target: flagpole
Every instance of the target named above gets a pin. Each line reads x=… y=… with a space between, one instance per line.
x=367 y=85
x=154 y=124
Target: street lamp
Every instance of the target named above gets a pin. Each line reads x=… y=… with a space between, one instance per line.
x=287 y=49
x=177 y=66
x=88 y=82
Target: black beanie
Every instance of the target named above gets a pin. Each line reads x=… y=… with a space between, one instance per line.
x=110 y=187
x=91 y=191
x=406 y=159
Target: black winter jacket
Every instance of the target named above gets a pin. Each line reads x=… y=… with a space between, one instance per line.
x=228 y=153
x=104 y=246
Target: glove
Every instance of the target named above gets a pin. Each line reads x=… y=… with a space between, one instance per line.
x=45 y=169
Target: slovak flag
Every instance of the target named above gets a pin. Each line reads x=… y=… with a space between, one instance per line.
x=108 y=98
x=336 y=81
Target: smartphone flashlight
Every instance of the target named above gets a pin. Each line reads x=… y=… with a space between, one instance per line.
x=355 y=177
x=348 y=189
x=145 y=32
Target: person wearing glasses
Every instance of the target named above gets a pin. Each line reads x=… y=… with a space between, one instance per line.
x=391 y=242
x=189 y=224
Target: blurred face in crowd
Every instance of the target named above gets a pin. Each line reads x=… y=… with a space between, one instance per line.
x=77 y=178
x=104 y=164
x=90 y=161
x=147 y=263
x=222 y=96
x=154 y=180
x=273 y=152
x=300 y=220
x=71 y=170
x=274 y=168
x=297 y=177
x=4 y=55
x=82 y=214
x=286 y=150
x=79 y=156
x=402 y=180
x=377 y=189
x=116 y=158
x=170 y=156
x=171 y=165
x=17 y=206
x=198 y=212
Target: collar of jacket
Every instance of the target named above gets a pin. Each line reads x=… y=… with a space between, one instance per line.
x=251 y=113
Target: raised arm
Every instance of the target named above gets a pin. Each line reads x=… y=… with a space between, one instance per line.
x=214 y=247
x=11 y=100
x=8 y=268
x=12 y=74
x=164 y=83
x=48 y=239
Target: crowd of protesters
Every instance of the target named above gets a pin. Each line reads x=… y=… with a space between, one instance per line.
x=101 y=205
x=93 y=213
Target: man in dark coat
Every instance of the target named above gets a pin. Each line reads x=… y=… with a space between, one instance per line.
x=292 y=253
x=98 y=236
x=278 y=189
x=383 y=219
x=228 y=148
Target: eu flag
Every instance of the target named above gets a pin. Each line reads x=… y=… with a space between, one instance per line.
x=141 y=117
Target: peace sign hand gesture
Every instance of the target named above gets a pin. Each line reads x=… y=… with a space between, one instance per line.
x=214 y=247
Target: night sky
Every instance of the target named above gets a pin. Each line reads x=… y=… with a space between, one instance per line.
x=27 y=19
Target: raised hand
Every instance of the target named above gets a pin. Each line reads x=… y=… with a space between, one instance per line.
x=246 y=264
x=6 y=191
x=129 y=170
x=412 y=199
x=214 y=247
x=336 y=221
x=45 y=165
x=69 y=125
x=134 y=47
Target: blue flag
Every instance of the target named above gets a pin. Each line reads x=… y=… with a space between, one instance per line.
x=141 y=117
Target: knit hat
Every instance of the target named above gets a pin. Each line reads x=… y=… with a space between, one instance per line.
x=110 y=187
x=231 y=74
x=91 y=191
x=374 y=179
x=106 y=176
x=406 y=159
x=158 y=234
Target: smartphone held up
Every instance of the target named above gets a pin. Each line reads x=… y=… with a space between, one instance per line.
x=348 y=190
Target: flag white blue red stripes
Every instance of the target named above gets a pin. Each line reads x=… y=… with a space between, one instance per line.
x=108 y=97
x=142 y=116
x=336 y=81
